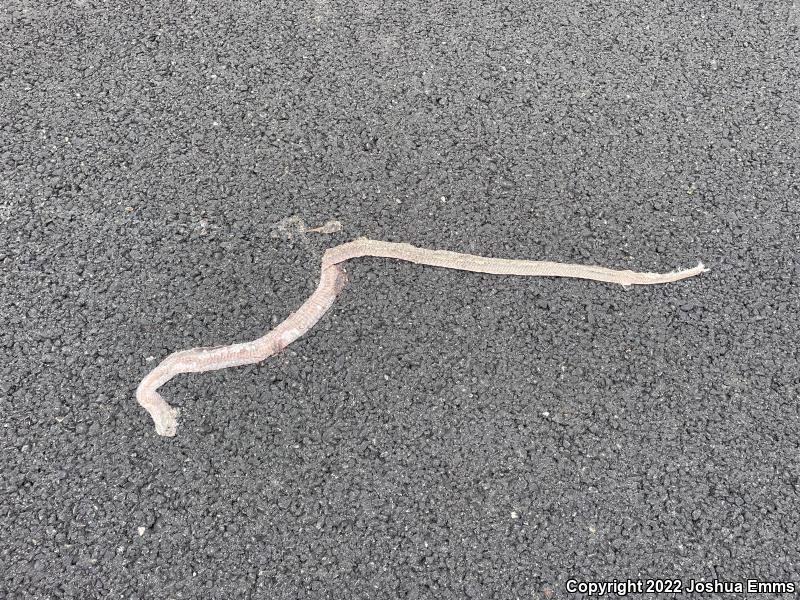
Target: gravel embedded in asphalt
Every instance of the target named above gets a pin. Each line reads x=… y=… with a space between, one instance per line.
x=438 y=434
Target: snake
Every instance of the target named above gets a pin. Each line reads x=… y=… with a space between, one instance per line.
x=333 y=279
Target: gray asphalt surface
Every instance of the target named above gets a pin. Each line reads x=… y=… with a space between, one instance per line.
x=439 y=434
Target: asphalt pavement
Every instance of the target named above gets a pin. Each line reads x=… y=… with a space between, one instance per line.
x=439 y=434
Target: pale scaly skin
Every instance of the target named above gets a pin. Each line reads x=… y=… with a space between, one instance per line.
x=332 y=281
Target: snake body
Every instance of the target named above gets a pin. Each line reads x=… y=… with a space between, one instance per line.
x=332 y=280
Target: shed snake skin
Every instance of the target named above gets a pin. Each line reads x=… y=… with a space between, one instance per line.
x=332 y=281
